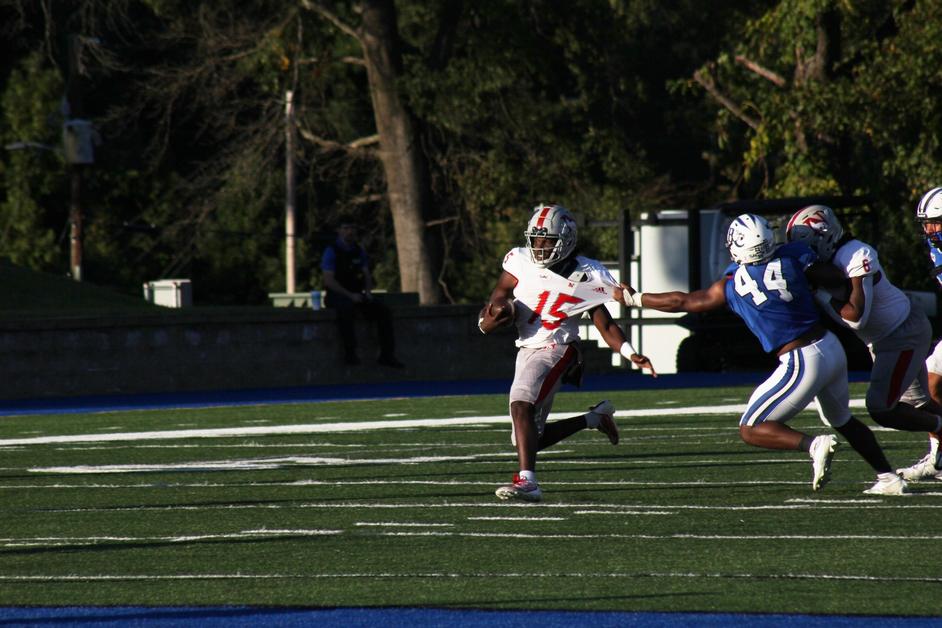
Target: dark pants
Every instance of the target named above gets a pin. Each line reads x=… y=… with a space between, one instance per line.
x=347 y=312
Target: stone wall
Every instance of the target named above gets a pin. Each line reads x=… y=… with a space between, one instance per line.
x=237 y=348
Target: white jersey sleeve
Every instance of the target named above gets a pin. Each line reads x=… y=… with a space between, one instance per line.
x=859 y=259
x=889 y=306
x=549 y=305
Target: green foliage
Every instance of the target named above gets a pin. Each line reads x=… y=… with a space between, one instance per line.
x=590 y=104
x=32 y=180
x=861 y=119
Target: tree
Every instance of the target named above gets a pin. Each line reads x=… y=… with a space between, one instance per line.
x=820 y=97
x=403 y=161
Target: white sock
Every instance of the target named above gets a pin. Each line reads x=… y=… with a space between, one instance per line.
x=889 y=475
x=592 y=420
x=529 y=476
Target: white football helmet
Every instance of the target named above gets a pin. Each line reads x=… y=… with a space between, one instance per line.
x=818 y=227
x=750 y=239
x=930 y=206
x=555 y=223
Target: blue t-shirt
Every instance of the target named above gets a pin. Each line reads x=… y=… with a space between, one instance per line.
x=934 y=242
x=329 y=257
x=774 y=298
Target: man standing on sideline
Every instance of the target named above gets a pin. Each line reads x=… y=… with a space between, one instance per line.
x=543 y=290
x=349 y=285
x=767 y=287
x=897 y=334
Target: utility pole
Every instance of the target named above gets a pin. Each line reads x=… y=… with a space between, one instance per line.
x=77 y=148
x=289 y=192
x=75 y=221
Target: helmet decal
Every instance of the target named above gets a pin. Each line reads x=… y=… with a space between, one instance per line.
x=818 y=227
x=557 y=229
x=930 y=206
x=750 y=239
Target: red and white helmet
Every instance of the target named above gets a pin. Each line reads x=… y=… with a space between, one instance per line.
x=930 y=206
x=555 y=223
x=750 y=239
x=818 y=227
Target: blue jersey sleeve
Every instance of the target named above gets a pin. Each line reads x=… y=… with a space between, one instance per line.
x=935 y=254
x=329 y=259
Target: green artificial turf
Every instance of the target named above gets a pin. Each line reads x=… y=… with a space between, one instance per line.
x=680 y=516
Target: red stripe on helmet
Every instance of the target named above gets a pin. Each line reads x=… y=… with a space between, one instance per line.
x=539 y=222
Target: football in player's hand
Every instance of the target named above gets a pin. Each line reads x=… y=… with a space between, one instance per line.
x=498 y=313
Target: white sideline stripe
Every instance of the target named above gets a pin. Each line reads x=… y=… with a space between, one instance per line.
x=226 y=432
x=301 y=483
x=381 y=575
x=400 y=524
x=623 y=512
x=518 y=518
x=877 y=503
x=258 y=464
x=55 y=541
x=268 y=464
x=675 y=537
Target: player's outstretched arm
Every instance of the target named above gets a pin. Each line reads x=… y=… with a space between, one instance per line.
x=710 y=298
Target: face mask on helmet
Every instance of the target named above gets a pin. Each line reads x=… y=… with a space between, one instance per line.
x=550 y=234
x=750 y=239
x=818 y=227
x=929 y=215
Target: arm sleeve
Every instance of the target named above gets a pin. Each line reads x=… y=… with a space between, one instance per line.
x=864 y=262
x=329 y=259
x=868 y=301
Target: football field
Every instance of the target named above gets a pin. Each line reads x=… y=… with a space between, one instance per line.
x=390 y=503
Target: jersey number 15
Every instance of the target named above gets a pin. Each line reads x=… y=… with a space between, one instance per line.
x=554 y=310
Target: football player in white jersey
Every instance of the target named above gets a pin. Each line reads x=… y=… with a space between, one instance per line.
x=551 y=287
x=768 y=287
x=882 y=316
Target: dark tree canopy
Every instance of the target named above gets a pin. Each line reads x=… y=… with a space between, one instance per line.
x=490 y=107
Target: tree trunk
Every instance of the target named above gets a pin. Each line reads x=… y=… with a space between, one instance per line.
x=404 y=164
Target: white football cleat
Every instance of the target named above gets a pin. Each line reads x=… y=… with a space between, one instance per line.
x=929 y=466
x=606 y=412
x=888 y=484
x=521 y=489
x=822 y=451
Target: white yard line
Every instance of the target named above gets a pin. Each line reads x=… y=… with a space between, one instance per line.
x=527 y=519
x=676 y=537
x=458 y=575
x=402 y=524
x=892 y=503
x=443 y=482
x=228 y=432
x=59 y=541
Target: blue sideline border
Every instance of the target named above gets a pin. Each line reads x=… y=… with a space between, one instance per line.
x=303 y=394
x=234 y=616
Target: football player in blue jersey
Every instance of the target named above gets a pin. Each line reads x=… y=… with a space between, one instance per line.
x=768 y=287
x=929 y=217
